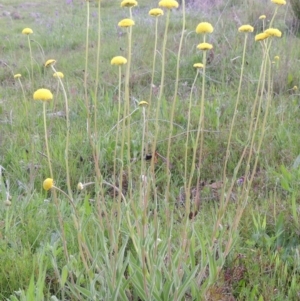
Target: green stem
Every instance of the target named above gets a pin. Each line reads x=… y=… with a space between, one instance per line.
x=127 y=105
x=46 y=140
x=31 y=58
x=187 y=189
x=68 y=132
x=199 y=134
x=87 y=106
x=233 y=119
x=174 y=100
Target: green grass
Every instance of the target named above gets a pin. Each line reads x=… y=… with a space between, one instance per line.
x=146 y=247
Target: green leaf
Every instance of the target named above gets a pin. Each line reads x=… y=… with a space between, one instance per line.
x=285 y=173
x=285 y=184
x=64 y=276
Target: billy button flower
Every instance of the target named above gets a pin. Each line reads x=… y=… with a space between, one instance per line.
x=205 y=46
x=58 y=74
x=204 y=27
x=169 y=4
x=246 y=28
x=273 y=32
x=43 y=95
x=48 y=184
x=126 y=23
x=50 y=62
x=263 y=17
x=118 y=60
x=156 y=12
x=279 y=2
x=27 y=31
x=198 y=66
x=261 y=36
x=18 y=78
x=143 y=103
x=129 y=3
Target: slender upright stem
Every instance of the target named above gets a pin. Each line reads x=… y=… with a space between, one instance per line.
x=127 y=105
x=160 y=94
x=67 y=134
x=87 y=105
x=233 y=119
x=174 y=101
x=187 y=190
x=46 y=140
x=198 y=135
x=31 y=58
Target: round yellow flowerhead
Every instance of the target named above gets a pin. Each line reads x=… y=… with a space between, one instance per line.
x=17 y=75
x=246 y=28
x=156 y=12
x=50 y=62
x=295 y=88
x=126 y=23
x=118 y=60
x=204 y=27
x=128 y=3
x=43 y=95
x=27 y=31
x=198 y=66
x=261 y=36
x=262 y=17
x=48 y=184
x=279 y=2
x=273 y=32
x=168 y=4
x=276 y=57
x=143 y=103
x=205 y=46
x=58 y=74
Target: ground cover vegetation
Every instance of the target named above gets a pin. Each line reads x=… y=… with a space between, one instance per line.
x=149 y=150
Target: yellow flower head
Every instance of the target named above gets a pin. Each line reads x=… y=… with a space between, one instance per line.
x=198 y=66
x=262 y=17
x=279 y=2
x=276 y=58
x=261 y=36
x=128 y=3
x=58 y=74
x=295 y=88
x=204 y=27
x=205 y=46
x=48 y=184
x=143 y=103
x=118 y=60
x=50 y=62
x=156 y=12
x=42 y=94
x=246 y=28
x=273 y=32
x=168 y=4
x=126 y=23
x=27 y=31
x=17 y=75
